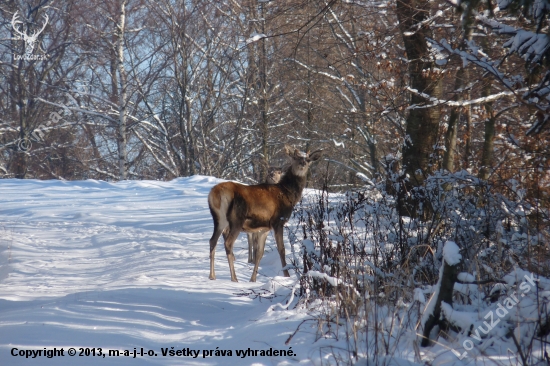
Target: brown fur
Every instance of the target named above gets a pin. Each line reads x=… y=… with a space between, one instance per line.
x=257 y=240
x=257 y=209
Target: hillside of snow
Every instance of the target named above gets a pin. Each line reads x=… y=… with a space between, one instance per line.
x=99 y=267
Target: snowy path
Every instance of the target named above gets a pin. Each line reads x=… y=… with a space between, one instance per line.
x=119 y=266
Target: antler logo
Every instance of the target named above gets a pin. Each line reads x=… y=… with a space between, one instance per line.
x=30 y=40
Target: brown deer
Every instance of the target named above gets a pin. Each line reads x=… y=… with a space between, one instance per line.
x=256 y=209
x=255 y=240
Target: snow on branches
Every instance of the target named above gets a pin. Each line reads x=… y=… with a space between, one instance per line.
x=533 y=47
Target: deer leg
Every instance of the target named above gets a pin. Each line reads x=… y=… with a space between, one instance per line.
x=251 y=251
x=229 y=242
x=278 y=231
x=259 y=246
x=225 y=233
x=213 y=242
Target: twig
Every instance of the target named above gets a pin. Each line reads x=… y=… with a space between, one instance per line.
x=296 y=331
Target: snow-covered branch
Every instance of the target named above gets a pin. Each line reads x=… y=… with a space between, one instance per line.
x=460 y=103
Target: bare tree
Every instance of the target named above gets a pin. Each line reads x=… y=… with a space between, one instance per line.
x=422 y=123
x=34 y=65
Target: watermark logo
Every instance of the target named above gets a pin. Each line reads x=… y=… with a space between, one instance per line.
x=24 y=144
x=55 y=117
x=30 y=40
x=501 y=311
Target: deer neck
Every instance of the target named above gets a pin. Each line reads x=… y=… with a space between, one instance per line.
x=293 y=185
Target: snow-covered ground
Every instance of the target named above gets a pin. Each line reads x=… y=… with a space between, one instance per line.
x=124 y=266
x=103 y=268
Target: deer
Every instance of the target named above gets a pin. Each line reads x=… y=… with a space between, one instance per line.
x=255 y=240
x=257 y=209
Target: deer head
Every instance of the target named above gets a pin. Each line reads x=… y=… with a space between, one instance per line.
x=274 y=175
x=301 y=160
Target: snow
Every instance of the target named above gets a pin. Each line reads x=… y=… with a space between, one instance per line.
x=419 y=296
x=255 y=37
x=451 y=253
x=462 y=319
x=332 y=280
x=466 y=277
x=125 y=265
x=530 y=45
x=430 y=305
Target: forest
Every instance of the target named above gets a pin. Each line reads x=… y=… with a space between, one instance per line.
x=156 y=90
x=432 y=116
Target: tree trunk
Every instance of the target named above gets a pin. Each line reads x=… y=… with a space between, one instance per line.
x=20 y=160
x=122 y=102
x=462 y=78
x=443 y=292
x=264 y=107
x=422 y=123
x=368 y=132
x=488 y=147
x=489 y=138
x=191 y=168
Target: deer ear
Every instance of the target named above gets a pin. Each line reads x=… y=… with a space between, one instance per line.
x=315 y=155
x=288 y=150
